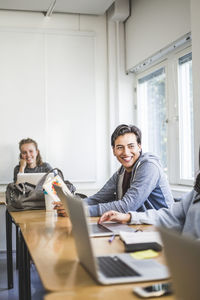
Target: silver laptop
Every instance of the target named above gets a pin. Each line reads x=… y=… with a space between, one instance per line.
x=106 y=229
x=183 y=258
x=32 y=178
x=109 y=269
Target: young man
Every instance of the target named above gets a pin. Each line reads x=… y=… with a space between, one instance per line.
x=138 y=185
x=183 y=216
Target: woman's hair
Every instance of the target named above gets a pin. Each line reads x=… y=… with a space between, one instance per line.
x=123 y=129
x=197 y=183
x=39 y=161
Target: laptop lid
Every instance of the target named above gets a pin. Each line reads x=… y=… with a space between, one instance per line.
x=81 y=232
x=147 y=269
x=106 y=229
x=32 y=178
x=182 y=254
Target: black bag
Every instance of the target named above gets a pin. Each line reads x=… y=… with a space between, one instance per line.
x=26 y=196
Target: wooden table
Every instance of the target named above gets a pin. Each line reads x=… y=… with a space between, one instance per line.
x=51 y=245
x=118 y=292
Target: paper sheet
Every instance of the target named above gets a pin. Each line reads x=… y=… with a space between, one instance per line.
x=145 y=254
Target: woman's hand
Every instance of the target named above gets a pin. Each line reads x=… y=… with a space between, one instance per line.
x=22 y=165
x=114 y=216
x=58 y=206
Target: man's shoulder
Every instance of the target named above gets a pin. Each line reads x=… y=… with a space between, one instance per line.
x=149 y=157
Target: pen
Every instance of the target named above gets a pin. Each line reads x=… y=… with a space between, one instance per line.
x=111 y=238
x=138 y=229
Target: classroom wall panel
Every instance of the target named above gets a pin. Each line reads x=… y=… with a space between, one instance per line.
x=53 y=88
x=71 y=109
x=21 y=95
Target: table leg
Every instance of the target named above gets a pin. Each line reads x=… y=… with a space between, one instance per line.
x=24 y=270
x=17 y=246
x=9 y=250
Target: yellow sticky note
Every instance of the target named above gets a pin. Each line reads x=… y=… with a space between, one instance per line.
x=144 y=254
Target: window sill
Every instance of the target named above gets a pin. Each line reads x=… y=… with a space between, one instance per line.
x=180 y=190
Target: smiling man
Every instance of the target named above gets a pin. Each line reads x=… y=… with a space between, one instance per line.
x=140 y=182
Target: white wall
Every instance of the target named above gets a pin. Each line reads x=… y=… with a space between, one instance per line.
x=120 y=84
x=153 y=25
x=53 y=86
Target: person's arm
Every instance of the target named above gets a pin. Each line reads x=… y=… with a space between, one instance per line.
x=22 y=165
x=115 y=216
x=19 y=169
x=171 y=218
x=16 y=171
x=106 y=194
x=146 y=179
x=58 y=206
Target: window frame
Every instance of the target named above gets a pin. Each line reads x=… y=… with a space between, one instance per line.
x=170 y=64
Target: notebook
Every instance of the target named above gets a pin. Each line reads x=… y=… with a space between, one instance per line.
x=182 y=254
x=32 y=178
x=106 y=229
x=109 y=269
x=138 y=240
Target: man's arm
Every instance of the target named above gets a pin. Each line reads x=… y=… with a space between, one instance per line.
x=106 y=194
x=146 y=179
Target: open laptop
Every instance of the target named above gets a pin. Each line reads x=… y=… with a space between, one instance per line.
x=32 y=178
x=109 y=269
x=182 y=254
x=105 y=229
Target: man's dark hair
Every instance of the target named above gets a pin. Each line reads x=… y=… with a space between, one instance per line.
x=123 y=129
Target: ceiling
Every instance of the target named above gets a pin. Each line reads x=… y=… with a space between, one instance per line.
x=94 y=7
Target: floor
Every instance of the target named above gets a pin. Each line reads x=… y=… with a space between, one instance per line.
x=37 y=290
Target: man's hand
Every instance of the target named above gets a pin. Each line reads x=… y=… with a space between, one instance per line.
x=60 y=209
x=114 y=216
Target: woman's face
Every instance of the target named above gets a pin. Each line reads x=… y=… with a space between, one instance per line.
x=29 y=154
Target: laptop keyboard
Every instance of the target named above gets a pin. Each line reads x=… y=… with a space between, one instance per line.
x=114 y=267
x=98 y=228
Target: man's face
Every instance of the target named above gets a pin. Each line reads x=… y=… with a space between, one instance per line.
x=127 y=150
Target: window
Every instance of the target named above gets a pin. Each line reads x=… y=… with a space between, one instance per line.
x=165 y=114
x=153 y=113
x=186 y=137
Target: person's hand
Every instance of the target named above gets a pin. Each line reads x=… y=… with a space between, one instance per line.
x=22 y=164
x=60 y=209
x=114 y=216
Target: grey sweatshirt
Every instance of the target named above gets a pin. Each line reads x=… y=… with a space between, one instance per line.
x=183 y=216
x=149 y=188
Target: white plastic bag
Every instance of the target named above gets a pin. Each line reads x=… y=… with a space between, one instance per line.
x=49 y=191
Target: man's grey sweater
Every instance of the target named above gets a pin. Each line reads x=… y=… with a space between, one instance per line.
x=149 y=188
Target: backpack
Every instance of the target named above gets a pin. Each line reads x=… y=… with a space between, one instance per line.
x=26 y=196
